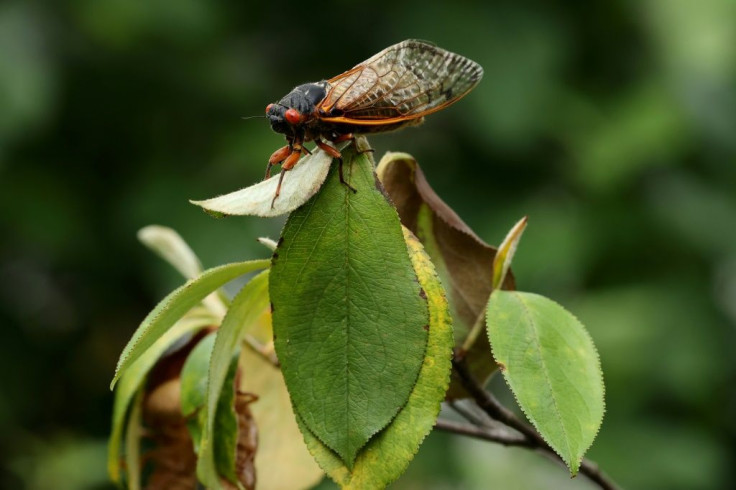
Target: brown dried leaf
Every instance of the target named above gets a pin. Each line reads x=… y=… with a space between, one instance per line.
x=464 y=262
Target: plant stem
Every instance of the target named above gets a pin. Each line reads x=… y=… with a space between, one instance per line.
x=501 y=436
x=480 y=322
x=488 y=403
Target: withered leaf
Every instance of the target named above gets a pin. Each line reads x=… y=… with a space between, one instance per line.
x=464 y=262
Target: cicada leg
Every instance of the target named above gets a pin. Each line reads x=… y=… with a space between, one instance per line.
x=278 y=156
x=335 y=153
x=296 y=151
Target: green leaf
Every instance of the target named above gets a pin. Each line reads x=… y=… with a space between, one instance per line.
x=194 y=375
x=194 y=384
x=388 y=454
x=348 y=314
x=244 y=313
x=132 y=379
x=133 y=435
x=299 y=184
x=463 y=261
x=175 y=305
x=552 y=367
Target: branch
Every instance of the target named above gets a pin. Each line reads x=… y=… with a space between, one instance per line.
x=500 y=436
x=488 y=403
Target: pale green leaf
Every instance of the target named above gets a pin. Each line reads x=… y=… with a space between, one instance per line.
x=133 y=378
x=170 y=246
x=244 y=313
x=552 y=367
x=348 y=314
x=389 y=453
x=176 y=304
x=300 y=183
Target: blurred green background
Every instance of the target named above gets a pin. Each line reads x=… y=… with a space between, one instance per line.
x=611 y=124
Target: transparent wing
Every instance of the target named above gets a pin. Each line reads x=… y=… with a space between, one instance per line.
x=405 y=81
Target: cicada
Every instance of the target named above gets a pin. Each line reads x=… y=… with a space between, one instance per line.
x=393 y=89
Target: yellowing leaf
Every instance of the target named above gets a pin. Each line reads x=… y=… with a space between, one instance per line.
x=463 y=261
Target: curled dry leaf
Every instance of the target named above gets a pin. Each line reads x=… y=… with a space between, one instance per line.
x=300 y=183
x=464 y=262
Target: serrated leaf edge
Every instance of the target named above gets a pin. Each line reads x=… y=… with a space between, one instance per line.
x=574 y=470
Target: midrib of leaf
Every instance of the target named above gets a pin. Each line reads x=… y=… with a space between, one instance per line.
x=527 y=313
x=347 y=301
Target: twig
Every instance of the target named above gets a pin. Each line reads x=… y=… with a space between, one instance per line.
x=501 y=436
x=495 y=410
x=480 y=419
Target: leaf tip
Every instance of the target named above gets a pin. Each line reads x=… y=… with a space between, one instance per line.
x=506 y=252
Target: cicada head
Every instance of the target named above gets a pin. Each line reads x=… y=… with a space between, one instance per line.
x=296 y=109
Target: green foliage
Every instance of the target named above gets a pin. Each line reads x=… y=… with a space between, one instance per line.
x=214 y=429
x=214 y=456
x=132 y=380
x=363 y=332
x=552 y=367
x=349 y=318
x=389 y=453
x=176 y=305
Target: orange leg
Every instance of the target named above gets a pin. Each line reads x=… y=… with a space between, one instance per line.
x=335 y=153
x=278 y=156
x=288 y=164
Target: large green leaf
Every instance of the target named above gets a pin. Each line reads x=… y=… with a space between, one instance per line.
x=463 y=261
x=244 y=313
x=388 y=454
x=552 y=367
x=132 y=379
x=349 y=317
x=176 y=304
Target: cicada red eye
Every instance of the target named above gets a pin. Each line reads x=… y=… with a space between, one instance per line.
x=293 y=116
x=268 y=108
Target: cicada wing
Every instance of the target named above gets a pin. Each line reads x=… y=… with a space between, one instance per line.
x=405 y=81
